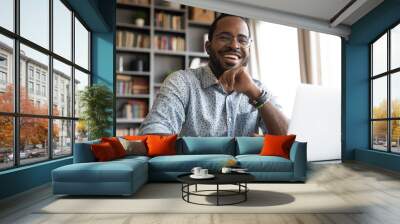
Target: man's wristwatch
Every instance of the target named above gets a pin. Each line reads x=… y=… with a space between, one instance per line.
x=261 y=100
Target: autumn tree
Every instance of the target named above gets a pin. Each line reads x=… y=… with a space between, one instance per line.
x=33 y=131
x=380 y=127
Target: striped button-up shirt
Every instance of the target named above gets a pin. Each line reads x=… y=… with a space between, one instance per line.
x=192 y=103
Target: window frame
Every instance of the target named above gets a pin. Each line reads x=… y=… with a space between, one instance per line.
x=16 y=114
x=388 y=74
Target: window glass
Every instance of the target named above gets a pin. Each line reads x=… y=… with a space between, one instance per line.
x=81 y=81
x=33 y=140
x=379 y=56
x=7 y=14
x=62 y=138
x=81 y=131
x=34 y=21
x=379 y=135
x=395 y=136
x=6 y=74
x=81 y=45
x=6 y=142
x=379 y=98
x=62 y=91
x=39 y=61
x=395 y=47
x=62 y=29
x=395 y=95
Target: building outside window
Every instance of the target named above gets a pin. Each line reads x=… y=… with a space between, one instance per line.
x=3 y=72
x=37 y=75
x=43 y=90
x=30 y=72
x=30 y=87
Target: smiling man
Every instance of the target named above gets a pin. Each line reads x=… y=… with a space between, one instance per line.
x=220 y=99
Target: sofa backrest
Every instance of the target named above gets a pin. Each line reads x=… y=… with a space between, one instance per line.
x=83 y=152
x=249 y=145
x=207 y=145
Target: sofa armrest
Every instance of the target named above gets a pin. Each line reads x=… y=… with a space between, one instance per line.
x=83 y=152
x=298 y=155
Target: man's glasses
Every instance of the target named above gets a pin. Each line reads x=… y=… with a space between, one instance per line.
x=226 y=39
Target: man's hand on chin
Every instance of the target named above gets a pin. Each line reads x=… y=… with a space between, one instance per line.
x=239 y=79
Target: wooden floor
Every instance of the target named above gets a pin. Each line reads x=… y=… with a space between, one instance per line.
x=377 y=188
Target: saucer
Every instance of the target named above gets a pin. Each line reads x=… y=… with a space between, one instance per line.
x=208 y=176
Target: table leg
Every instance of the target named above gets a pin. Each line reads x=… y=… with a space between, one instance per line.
x=188 y=189
x=217 y=194
x=245 y=191
x=196 y=188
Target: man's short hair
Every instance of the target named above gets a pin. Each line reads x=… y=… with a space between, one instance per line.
x=215 y=22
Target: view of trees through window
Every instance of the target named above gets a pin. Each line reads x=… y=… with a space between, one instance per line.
x=385 y=91
x=38 y=112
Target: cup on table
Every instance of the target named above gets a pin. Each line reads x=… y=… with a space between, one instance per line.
x=203 y=172
x=226 y=170
x=196 y=171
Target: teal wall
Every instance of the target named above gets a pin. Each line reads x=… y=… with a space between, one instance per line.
x=356 y=85
x=24 y=178
x=99 y=15
x=103 y=51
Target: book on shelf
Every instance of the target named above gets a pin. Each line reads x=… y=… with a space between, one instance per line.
x=168 y=21
x=169 y=42
x=134 y=2
x=127 y=131
x=132 y=39
x=132 y=85
x=201 y=15
x=133 y=109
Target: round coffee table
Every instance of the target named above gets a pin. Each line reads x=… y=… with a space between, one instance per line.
x=238 y=179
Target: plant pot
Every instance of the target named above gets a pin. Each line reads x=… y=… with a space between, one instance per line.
x=139 y=22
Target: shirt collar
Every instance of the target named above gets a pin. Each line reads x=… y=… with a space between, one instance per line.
x=208 y=78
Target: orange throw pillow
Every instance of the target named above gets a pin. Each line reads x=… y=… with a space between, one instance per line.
x=116 y=145
x=103 y=151
x=136 y=137
x=161 y=145
x=277 y=145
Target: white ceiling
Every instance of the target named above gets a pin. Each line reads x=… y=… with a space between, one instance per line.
x=314 y=15
x=320 y=9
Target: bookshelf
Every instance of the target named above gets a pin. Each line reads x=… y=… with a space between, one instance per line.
x=166 y=39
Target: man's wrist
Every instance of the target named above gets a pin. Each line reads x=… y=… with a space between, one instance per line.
x=254 y=93
x=260 y=100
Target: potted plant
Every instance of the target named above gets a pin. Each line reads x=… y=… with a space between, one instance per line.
x=96 y=102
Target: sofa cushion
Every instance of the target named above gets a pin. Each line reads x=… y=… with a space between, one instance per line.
x=161 y=145
x=257 y=163
x=103 y=152
x=277 y=145
x=111 y=171
x=249 y=145
x=116 y=145
x=134 y=147
x=207 y=145
x=185 y=163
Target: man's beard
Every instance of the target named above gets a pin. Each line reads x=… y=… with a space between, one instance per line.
x=217 y=66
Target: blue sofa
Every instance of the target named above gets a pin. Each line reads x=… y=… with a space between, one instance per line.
x=125 y=176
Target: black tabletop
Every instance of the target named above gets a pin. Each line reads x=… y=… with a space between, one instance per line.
x=220 y=178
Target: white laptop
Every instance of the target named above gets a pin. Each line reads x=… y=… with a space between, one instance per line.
x=316 y=119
